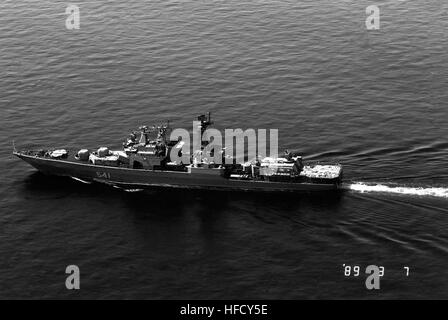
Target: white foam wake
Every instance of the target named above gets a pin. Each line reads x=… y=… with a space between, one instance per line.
x=80 y=180
x=418 y=191
x=128 y=190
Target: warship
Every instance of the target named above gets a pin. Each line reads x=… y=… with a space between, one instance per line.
x=145 y=161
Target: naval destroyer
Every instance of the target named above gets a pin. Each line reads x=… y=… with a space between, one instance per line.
x=145 y=161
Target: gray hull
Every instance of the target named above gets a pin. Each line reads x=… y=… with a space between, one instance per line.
x=136 y=178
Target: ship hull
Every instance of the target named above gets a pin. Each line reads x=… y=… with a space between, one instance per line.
x=140 y=178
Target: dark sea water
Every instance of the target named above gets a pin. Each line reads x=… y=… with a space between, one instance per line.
x=376 y=101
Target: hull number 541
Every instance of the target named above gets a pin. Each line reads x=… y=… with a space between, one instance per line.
x=104 y=175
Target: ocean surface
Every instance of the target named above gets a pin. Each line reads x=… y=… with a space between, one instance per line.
x=375 y=101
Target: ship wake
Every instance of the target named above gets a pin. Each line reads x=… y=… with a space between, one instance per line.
x=80 y=180
x=439 y=192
